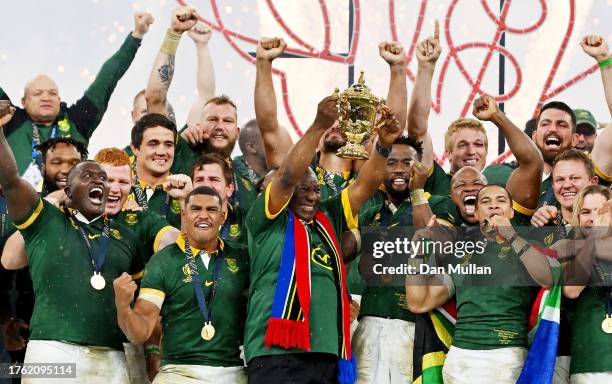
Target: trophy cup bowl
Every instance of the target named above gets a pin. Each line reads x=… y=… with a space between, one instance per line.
x=358 y=108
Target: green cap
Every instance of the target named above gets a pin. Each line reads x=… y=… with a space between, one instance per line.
x=585 y=120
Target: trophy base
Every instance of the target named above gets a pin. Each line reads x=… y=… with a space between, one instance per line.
x=353 y=152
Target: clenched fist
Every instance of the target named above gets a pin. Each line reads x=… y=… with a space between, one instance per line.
x=269 y=48
x=183 y=19
x=543 y=216
x=178 y=186
x=142 y=22
x=596 y=47
x=390 y=128
x=392 y=52
x=200 y=33
x=327 y=112
x=485 y=107
x=124 y=288
x=6 y=112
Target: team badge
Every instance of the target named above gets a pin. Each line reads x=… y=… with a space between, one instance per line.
x=176 y=206
x=377 y=219
x=246 y=184
x=234 y=230
x=64 y=125
x=131 y=218
x=548 y=240
x=231 y=265
x=187 y=273
x=503 y=252
x=319 y=256
x=115 y=233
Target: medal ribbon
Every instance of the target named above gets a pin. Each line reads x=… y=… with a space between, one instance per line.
x=196 y=281
x=141 y=199
x=36 y=155
x=97 y=262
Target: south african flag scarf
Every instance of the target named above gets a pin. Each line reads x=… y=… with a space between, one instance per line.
x=289 y=325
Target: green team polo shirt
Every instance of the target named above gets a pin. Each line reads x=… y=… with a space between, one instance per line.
x=387 y=301
x=160 y=203
x=266 y=234
x=80 y=119
x=67 y=307
x=591 y=346
x=167 y=283
x=490 y=317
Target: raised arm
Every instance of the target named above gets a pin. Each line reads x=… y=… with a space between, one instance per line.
x=597 y=48
x=276 y=139
x=427 y=53
x=372 y=173
x=88 y=111
x=426 y=292
x=13 y=253
x=19 y=194
x=297 y=161
x=138 y=323
x=182 y=20
x=397 y=97
x=524 y=182
x=205 y=80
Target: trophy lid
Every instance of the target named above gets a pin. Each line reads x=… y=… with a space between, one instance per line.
x=359 y=90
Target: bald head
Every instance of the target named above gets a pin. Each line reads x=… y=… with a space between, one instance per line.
x=41 y=99
x=469 y=172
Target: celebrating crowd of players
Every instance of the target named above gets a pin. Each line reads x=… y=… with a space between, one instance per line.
x=172 y=262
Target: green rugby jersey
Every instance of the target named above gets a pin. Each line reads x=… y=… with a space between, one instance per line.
x=80 y=119
x=266 y=234
x=167 y=283
x=148 y=226
x=185 y=156
x=388 y=301
x=160 y=202
x=591 y=347
x=66 y=306
x=438 y=182
x=331 y=183
x=494 y=315
x=233 y=228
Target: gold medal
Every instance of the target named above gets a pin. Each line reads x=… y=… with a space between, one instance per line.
x=97 y=281
x=606 y=324
x=208 y=331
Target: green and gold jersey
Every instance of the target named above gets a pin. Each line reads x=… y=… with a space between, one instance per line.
x=159 y=202
x=167 y=283
x=266 y=234
x=331 y=183
x=591 y=346
x=148 y=226
x=78 y=120
x=67 y=307
x=387 y=301
x=233 y=228
x=438 y=182
x=493 y=315
x=245 y=192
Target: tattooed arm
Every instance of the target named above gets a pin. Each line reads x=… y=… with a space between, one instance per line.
x=183 y=19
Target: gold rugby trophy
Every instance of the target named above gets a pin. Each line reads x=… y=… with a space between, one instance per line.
x=358 y=108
